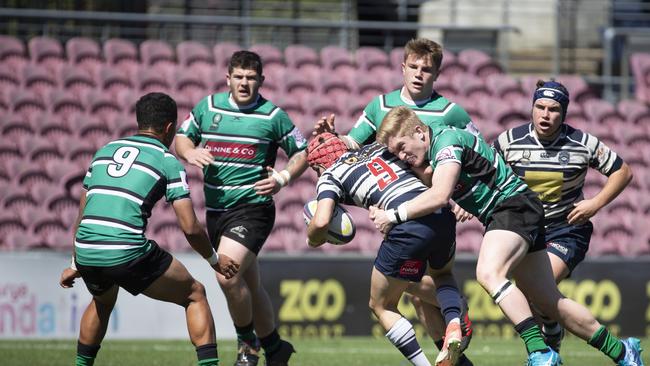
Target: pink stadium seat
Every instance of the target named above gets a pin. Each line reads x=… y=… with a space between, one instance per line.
x=17 y=241
x=470 y=86
x=17 y=197
x=578 y=88
x=368 y=84
x=150 y=80
x=118 y=51
x=222 y=52
x=10 y=222
x=529 y=84
x=269 y=53
x=601 y=111
x=9 y=79
x=102 y=104
x=368 y=58
x=396 y=57
x=393 y=80
x=297 y=56
x=39 y=79
x=576 y=117
x=193 y=53
x=504 y=86
x=189 y=80
x=479 y=63
x=26 y=102
x=635 y=137
x=340 y=80
x=299 y=82
x=640 y=66
x=153 y=52
x=444 y=85
x=57 y=239
x=635 y=112
x=84 y=52
x=11 y=47
x=77 y=80
x=113 y=79
x=451 y=65
x=14 y=126
x=332 y=57
x=43 y=49
x=40 y=150
x=65 y=104
x=324 y=106
x=609 y=136
x=501 y=112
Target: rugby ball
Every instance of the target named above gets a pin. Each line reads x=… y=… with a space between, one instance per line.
x=341 y=229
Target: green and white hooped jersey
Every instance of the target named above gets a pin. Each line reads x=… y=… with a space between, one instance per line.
x=243 y=142
x=435 y=112
x=125 y=179
x=485 y=179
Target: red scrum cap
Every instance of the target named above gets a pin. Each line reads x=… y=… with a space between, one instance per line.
x=324 y=149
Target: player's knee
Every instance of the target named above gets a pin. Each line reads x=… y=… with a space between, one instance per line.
x=488 y=277
x=198 y=293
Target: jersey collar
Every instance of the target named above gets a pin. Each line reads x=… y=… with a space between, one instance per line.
x=248 y=106
x=543 y=143
x=403 y=96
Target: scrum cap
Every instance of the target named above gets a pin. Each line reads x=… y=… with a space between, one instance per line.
x=324 y=149
x=554 y=91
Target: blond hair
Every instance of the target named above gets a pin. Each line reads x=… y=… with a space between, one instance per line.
x=400 y=121
x=423 y=47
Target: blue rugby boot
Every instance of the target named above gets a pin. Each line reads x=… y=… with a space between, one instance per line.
x=632 y=353
x=549 y=358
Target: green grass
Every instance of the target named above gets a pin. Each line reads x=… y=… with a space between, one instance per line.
x=361 y=351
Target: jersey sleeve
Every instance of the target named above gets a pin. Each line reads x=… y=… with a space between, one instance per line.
x=176 y=177
x=328 y=186
x=191 y=126
x=288 y=136
x=500 y=144
x=447 y=148
x=87 y=178
x=603 y=159
x=364 y=130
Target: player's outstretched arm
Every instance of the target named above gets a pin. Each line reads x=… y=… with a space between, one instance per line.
x=616 y=183
x=70 y=274
x=186 y=150
x=199 y=241
x=442 y=186
x=317 y=229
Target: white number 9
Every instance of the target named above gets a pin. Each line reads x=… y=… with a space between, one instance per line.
x=123 y=159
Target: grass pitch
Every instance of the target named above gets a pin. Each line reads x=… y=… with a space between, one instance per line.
x=349 y=351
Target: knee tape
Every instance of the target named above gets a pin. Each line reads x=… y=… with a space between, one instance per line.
x=502 y=291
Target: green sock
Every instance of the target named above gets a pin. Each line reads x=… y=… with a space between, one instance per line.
x=532 y=336
x=209 y=362
x=84 y=361
x=604 y=341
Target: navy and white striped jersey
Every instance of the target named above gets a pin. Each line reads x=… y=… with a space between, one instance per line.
x=369 y=176
x=556 y=170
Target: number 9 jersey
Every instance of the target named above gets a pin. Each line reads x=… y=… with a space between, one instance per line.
x=125 y=179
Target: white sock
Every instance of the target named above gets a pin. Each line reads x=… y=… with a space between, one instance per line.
x=402 y=336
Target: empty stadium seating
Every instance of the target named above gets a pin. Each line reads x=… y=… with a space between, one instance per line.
x=59 y=102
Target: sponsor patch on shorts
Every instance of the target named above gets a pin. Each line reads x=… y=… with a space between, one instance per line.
x=559 y=247
x=411 y=267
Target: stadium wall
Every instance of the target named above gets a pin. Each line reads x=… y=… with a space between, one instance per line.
x=314 y=296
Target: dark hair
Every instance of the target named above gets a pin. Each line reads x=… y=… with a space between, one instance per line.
x=245 y=60
x=154 y=110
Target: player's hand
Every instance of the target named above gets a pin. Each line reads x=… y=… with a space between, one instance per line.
x=461 y=215
x=67 y=277
x=381 y=220
x=583 y=211
x=267 y=186
x=199 y=157
x=324 y=124
x=226 y=266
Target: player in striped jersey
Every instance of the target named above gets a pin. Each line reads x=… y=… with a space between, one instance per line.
x=420 y=69
x=126 y=178
x=553 y=158
x=372 y=176
x=477 y=177
x=238 y=134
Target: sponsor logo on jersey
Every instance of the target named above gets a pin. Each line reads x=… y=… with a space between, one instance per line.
x=525 y=157
x=547 y=155
x=563 y=157
x=445 y=154
x=411 y=267
x=231 y=150
x=560 y=248
x=240 y=231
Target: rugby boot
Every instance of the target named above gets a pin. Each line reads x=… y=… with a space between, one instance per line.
x=465 y=325
x=282 y=355
x=548 y=358
x=450 y=352
x=632 y=353
x=248 y=355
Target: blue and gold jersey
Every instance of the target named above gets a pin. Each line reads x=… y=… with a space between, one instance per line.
x=556 y=170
